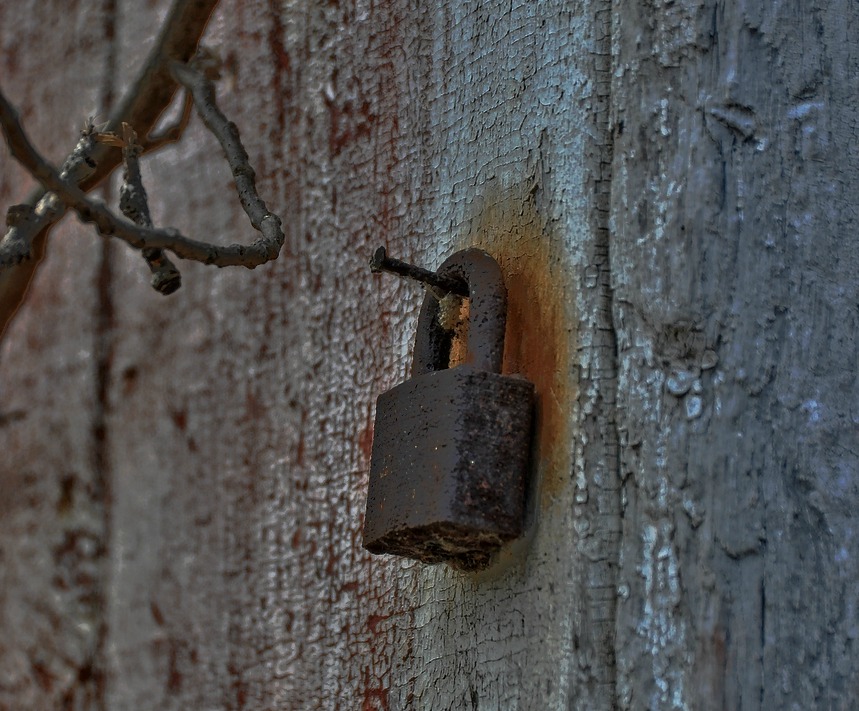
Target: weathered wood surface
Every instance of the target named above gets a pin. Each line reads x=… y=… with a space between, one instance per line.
x=52 y=475
x=214 y=444
x=734 y=261
x=237 y=576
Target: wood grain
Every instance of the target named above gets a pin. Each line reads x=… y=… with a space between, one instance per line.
x=733 y=263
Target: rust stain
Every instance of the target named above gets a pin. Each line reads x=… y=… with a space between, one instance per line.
x=540 y=320
x=348 y=123
x=157 y=615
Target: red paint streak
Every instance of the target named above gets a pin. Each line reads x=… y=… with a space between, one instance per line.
x=255 y=411
x=44 y=678
x=350 y=587
x=180 y=419
x=373 y=622
x=129 y=378
x=348 y=123
x=240 y=690
x=299 y=450
x=174 y=676
x=365 y=439
x=375 y=699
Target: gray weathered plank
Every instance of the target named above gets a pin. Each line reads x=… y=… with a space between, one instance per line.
x=52 y=478
x=734 y=263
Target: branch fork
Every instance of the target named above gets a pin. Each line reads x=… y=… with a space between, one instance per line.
x=137 y=230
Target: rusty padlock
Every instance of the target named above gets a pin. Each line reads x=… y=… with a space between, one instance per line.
x=451 y=446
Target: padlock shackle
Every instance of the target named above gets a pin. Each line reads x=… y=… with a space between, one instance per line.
x=487 y=316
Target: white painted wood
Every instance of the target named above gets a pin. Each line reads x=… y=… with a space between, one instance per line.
x=369 y=125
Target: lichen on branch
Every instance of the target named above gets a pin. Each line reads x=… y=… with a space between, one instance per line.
x=25 y=221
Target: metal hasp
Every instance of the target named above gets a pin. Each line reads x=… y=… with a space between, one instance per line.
x=451 y=446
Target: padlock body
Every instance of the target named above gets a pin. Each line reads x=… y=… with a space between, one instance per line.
x=449 y=466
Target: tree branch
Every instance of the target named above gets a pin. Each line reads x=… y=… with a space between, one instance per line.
x=144 y=102
x=153 y=91
x=262 y=250
x=25 y=221
x=134 y=205
x=203 y=91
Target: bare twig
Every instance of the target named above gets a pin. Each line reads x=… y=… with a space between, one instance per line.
x=147 y=98
x=17 y=242
x=132 y=201
x=203 y=91
x=153 y=91
x=262 y=250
